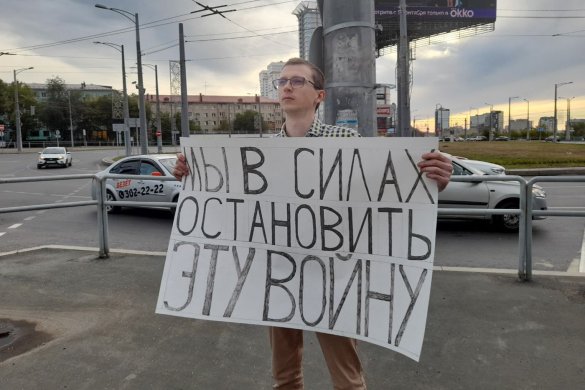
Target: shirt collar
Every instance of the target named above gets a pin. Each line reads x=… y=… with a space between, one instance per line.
x=314 y=131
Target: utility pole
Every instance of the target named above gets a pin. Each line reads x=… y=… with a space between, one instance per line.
x=403 y=76
x=349 y=64
x=184 y=97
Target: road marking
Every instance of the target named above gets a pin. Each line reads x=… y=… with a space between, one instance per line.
x=582 y=264
x=2 y=233
x=30 y=218
x=15 y=226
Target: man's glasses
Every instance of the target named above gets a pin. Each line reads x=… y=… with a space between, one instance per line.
x=295 y=82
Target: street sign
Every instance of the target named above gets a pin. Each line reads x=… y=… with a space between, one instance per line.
x=158 y=134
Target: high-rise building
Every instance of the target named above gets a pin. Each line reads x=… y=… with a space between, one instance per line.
x=442 y=121
x=309 y=19
x=267 y=76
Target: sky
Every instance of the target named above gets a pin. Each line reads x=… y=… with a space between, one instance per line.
x=535 y=44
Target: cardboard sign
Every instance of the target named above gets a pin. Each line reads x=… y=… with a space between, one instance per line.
x=333 y=235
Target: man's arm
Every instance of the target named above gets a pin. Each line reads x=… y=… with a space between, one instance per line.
x=437 y=167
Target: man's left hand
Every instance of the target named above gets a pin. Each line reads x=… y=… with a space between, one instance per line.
x=437 y=167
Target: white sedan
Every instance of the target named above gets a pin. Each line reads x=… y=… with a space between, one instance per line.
x=148 y=189
x=486 y=195
x=54 y=157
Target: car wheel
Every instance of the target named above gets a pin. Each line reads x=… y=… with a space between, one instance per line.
x=39 y=166
x=71 y=163
x=109 y=208
x=508 y=222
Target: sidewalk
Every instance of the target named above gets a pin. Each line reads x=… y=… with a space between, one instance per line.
x=96 y=329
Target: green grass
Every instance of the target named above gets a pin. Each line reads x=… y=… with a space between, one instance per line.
x=519 y=154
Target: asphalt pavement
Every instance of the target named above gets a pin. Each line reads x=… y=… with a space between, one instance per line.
x=69 y=320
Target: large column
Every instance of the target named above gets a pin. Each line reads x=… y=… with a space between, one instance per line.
x=349 y=64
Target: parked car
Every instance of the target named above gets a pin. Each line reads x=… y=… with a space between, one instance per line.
x=149 y=189
x=486 y=195
x=502 y=138
x=54 y=157
x=484 y=166
x=552 y=138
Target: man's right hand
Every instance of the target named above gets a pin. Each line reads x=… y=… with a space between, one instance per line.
x=181 y=168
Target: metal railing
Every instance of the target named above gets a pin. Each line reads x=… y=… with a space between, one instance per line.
x=525 y=210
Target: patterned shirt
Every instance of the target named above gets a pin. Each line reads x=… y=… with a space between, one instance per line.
x=319 y=129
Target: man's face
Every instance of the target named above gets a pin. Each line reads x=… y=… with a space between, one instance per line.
x=299 y=99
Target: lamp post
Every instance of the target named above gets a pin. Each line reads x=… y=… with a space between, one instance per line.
x=527 y=119
x=555 y=118
x=490 y=136
x=438 y=121
x=158 y=125
x=568 y=123
x=17 y=110
x=510 y=112
x=127 y=144
x=70 y=117
x=142 y=114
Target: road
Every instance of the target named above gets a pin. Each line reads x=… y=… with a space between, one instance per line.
x=557 y=241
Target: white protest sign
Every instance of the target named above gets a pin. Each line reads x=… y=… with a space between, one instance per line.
x=333 y=235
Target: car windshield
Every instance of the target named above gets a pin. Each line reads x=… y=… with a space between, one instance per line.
x=54 y=151
x=169 y=163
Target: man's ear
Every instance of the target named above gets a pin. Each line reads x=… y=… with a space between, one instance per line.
x=320 y=96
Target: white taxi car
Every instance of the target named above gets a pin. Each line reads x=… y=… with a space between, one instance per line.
x=148 y=189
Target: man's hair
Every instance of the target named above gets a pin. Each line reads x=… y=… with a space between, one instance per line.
x=318 y=77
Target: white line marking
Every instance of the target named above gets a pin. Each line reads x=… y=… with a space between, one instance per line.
x=2 y=233
x=30 y=218
x=582 y=263
x=14 y=226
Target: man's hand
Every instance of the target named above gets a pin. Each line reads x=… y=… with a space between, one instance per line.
x=437 y=167
x=181 y=168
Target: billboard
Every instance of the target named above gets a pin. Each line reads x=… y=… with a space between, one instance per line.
x=430 y=17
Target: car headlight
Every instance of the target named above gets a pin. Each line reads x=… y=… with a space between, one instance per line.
x=41 y=159
x=539 y=192
x=60 y=158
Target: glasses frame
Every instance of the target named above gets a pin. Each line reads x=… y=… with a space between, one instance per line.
x=277 y=82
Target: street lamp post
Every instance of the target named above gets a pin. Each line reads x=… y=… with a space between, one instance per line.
x=127 y=142
x=17 y=110
x=555 y=129
x=527 y=119
x=568 y=123
x=490 y=135
x=510 y=112
x=158 y=125
x=439 y=125
x=142 y=109
x=70 y=117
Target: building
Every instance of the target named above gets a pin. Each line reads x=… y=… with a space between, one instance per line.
x=520 y=125
x=309 y=19
x=546 y=124
x=441 y=120
x=271 y=73
x=483 y=122
x=217 y=113
x=87 y=90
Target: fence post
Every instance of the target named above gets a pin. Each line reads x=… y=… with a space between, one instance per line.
x=102 y=219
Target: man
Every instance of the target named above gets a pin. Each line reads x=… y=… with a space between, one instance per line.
x=300 y=91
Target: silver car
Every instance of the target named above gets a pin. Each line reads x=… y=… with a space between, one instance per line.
x=486 y=195
x=54 y=157
x=486 y=167
x=148 y=189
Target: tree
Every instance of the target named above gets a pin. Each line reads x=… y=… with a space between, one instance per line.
x=26 y=100
x=53 y=111
x=245 y=122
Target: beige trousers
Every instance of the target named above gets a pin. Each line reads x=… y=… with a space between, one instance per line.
x=340 y=355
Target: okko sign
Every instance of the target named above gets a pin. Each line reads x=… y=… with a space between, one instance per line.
x=333 y=235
